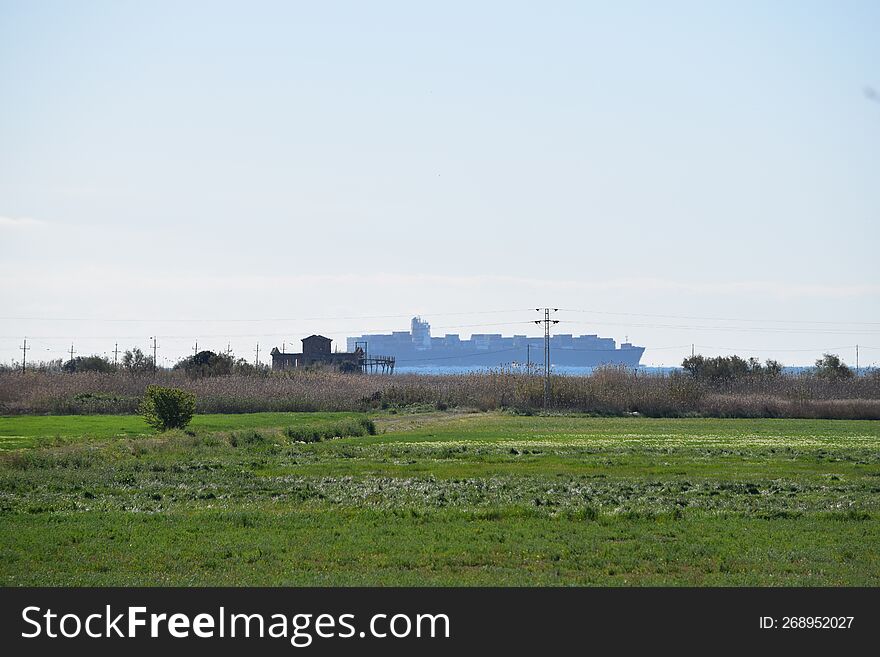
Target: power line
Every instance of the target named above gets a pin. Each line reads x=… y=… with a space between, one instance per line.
x=731 y=329
x=433 y=314
x=679 y=346
x=719 y=319
x=253 y=335
x=684 y=327
x=774 y=349
x=531 y=343
x=256 y=319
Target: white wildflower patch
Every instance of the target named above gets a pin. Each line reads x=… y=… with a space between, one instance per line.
x=654 y=440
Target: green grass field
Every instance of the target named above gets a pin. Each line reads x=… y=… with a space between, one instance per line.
x=33 y=430
x=440 y=499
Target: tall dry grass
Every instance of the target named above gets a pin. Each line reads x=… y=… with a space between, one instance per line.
x=608 y=391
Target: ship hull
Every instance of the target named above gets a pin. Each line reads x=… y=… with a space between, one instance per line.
x=433 y=358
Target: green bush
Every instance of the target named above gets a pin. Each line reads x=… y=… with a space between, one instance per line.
x=342 y=429
x=246 y=437
x=167 y=408
x=304 y=434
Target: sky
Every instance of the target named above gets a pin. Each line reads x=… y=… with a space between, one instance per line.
x=676 y=173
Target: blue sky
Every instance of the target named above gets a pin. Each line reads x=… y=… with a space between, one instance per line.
x=264 y=161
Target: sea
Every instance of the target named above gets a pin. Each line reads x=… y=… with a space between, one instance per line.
x=559 y=370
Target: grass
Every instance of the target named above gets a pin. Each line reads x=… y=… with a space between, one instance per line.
x=442 y=547
x=26 y=430
x=441 y=499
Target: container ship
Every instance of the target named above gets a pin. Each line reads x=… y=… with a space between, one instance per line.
x=418 y=348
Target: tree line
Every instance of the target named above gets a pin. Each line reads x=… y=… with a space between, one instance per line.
x=721 y=369
x=135 y=361
x=711 y=369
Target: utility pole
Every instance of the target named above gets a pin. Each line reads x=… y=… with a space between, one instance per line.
x=229 y=349
x=196 y=348
x=692 y=350
x=155 y=364
x=528 y=357
x=115 y=353
x=71 y=352
x=547 y=322
x=257 y=360
x=24 y=349
x=857 y=360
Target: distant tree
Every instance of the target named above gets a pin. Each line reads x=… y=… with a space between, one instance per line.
x=773 y=367
x=244 y=368
x=167 y=408
x=88 y=364
x=206 y=363
x=717 y=369
x=694 y=365
x=134 y=360
x=728 y=368
x=832 y=368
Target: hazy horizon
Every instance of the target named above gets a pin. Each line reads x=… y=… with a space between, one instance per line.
x=678 y=174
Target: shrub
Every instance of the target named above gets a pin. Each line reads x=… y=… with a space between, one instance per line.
x=246 y=437
x=342 y=429
x=167 y=408
x=304 y=434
